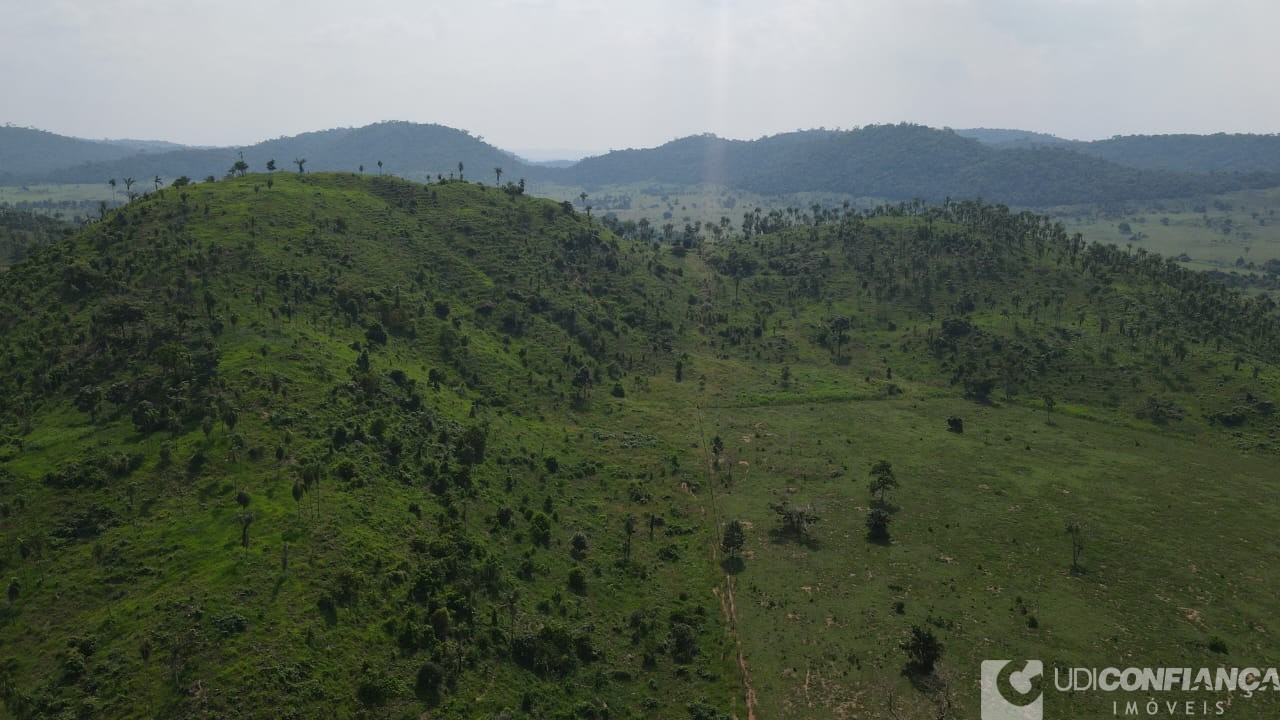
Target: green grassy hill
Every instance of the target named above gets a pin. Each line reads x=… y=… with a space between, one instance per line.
x=331 y=445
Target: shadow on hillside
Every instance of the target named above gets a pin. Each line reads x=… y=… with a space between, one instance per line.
x=781 y=537
x=886 y=506
x=925 y=682
x=733 y=564
x=881 y=540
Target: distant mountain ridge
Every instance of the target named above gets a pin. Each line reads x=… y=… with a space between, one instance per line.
x=406 y=149
x=1184 y=152
x=902 y=162
x=892 y=162
x=27 y=154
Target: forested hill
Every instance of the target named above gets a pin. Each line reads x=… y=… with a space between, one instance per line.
x=1190 y=153
x=901 y=162
x=324 y=445
x=27 y=154
x=404 y=149
x=1219 y=152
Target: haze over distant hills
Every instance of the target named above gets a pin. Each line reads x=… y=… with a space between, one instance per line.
x=895 y=162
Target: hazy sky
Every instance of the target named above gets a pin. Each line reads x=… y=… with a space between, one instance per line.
x=529 y=74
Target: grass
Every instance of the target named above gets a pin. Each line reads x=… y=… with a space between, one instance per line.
x=503 y=300
x=1221 y=233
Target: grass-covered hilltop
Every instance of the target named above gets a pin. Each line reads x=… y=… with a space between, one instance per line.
x=333 y=445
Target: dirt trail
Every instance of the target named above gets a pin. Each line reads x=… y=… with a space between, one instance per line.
x=729 y=607
x=727 y=603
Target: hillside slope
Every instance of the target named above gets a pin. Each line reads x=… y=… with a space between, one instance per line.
x=350 y=446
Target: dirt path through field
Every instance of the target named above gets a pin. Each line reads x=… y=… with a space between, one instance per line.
x=728 y=605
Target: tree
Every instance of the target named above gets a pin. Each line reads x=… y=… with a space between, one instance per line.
x=300 y=162
x=738 y=266
x=230 y=416
x=460 y=177
x=246 y=519
x=1048 y=406
x=128 y=188
x=882 y=479
x=271 y=165
x=734 y=538
x=379 y=167
x=497 y=176
x=839 y=327
x=582 y=384
x=923 y=651
x=112 y=183
x=157 y=182
x=684 y=643
x=629 y=527
x=578 y=581
x=430 y=677
x=1076 y=530
x=540 y=529
x=240 y=168
x=878 y=525
x=579 y=544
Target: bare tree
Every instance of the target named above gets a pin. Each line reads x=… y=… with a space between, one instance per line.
x=1076 y=529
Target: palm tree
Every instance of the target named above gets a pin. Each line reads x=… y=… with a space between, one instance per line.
x=128 y=188
x=497 y=176
x=460 y=171
x=300 y=162
x=112 y=183
x=379 y=167
x=157 y=182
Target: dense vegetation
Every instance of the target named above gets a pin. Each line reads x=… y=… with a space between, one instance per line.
x=22 y=230
x=323 y=444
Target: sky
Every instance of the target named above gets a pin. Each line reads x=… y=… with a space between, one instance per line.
x=565 y=77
